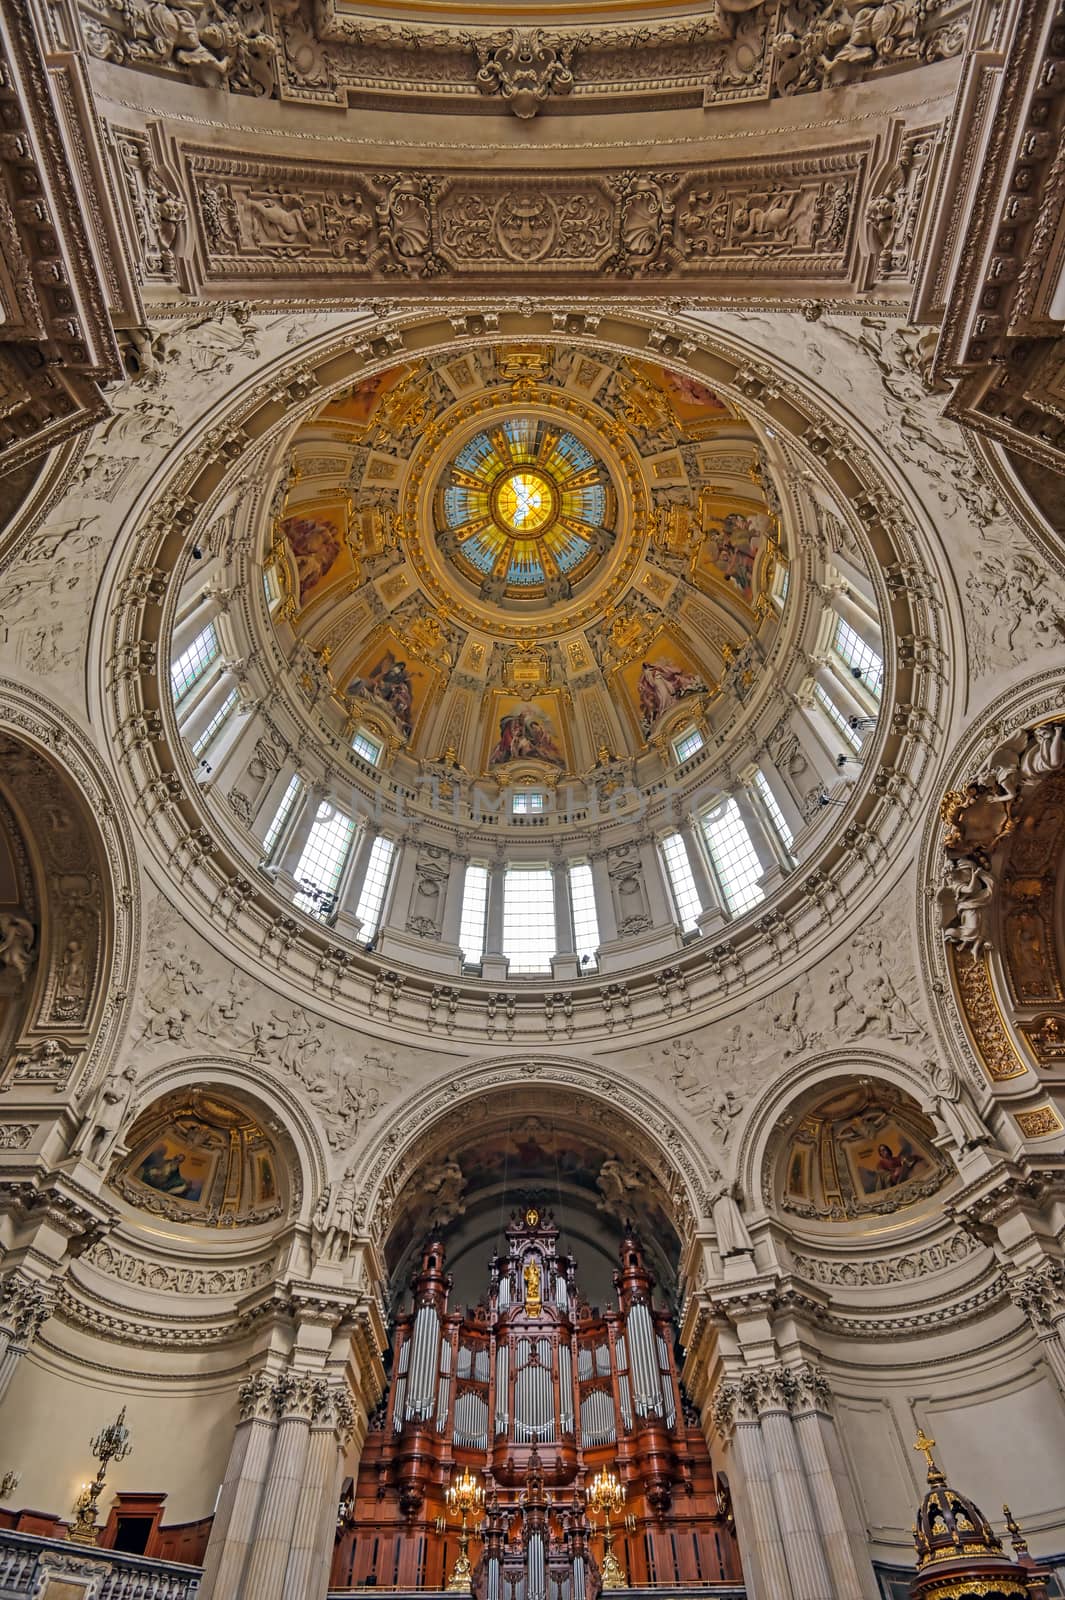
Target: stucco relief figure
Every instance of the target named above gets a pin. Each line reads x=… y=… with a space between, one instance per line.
x=619 y=1183
x=885 y=1011
x=106 y=1116
x=16 y=944
x=444 y=1188
x=1045 y=753
x=342 y=1222
x=952 y=1108
x=733 y=1235
x=973 y=888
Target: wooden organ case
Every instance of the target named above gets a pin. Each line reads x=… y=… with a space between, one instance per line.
x=536 y=1391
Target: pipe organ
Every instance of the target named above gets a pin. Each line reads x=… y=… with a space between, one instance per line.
x=536 y=1391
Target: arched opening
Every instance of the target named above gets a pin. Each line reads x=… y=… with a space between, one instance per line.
x=533 y=1244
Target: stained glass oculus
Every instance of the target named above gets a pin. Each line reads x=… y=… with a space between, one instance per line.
x=526 y=509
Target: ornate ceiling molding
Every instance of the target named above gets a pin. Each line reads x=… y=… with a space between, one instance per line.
x=331 y=54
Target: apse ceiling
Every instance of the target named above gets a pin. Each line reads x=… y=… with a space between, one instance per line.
x=587 y=538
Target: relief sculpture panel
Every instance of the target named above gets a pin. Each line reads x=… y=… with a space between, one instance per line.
x=784 y=217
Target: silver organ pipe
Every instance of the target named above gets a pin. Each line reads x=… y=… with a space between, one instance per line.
x=565 y=1388
x=537 y=1586
x=502 y=1368
x=402 y=1368
x=425 y=1359
x=534 y=1394
x=561 y=1293
x=597 y=1418
x=670 y=1405
x=646 y=1385
x=445 y=1387
x=471 y=1421
x=493 y=1578
x=625 y=1399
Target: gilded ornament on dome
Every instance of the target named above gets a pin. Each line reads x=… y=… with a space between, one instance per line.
x=407 y=405
x=1040 y=1122
x=524 y=361
x=642 y=405
x=527 y=669
x=676 y=531
x=626 y=631
x=430 y=637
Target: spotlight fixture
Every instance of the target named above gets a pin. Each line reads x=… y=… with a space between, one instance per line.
x=197 y=553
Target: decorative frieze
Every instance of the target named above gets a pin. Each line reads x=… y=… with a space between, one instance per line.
x=171 y=1279
x=788 y=216
x=886 y=1270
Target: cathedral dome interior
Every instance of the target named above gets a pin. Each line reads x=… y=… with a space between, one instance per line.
x=532 y=799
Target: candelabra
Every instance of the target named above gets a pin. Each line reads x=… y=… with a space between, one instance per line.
x=465 y=1494
x=111 y=1444
x=607 y=1495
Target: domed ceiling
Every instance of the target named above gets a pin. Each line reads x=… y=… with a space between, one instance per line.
x=586 y=540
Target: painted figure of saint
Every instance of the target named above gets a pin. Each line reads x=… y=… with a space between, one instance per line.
x=662 y=684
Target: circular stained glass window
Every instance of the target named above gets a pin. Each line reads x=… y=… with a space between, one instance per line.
x=525 y=509
x=525 y=502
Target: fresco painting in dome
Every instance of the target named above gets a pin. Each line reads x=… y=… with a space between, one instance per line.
x=731 y=549
x=690 y=401
x=526 y=730
x=861 y=1150
x=357 y=406
x=395 y=680
x=178 y=1168
x=316 y=539
x=656 y=681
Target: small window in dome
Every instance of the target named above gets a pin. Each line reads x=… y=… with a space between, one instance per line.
x=271 y=586
x=864 y=663
x=528 y=801
x=369 y=749
x=192 y=663
x=688 y=744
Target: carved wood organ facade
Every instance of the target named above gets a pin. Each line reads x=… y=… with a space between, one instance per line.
x=536 y=1391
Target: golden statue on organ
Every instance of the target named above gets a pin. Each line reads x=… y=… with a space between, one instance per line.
x=537 y=1395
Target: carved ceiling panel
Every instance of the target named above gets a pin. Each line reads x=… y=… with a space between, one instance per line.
x=274 y=224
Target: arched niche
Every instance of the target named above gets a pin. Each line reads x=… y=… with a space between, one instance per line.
x=251 y=1108
x=1002 y=904
x=208 y=1159
x=67 y=913
x=852 y=1151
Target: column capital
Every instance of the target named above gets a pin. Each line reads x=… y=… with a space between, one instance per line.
x=1040 y=1293
x=26 y=1303
x=255 y=1398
